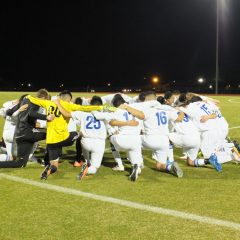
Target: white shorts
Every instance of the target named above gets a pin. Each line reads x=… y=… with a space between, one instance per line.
x=93 y=150
x=159 y=144
x=130 y=144
x=189 y=143
x=209 y=142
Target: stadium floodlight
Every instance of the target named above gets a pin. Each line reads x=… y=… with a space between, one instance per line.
x=210 y=86
x=155 y=80
x=200 y=80
x=29 y=85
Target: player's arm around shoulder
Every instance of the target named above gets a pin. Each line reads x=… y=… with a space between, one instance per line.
x=75 y=107
x=37 y=101
x=60 y=104
x=135 y=112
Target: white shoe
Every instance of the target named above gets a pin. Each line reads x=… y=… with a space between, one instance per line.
x=118 y=168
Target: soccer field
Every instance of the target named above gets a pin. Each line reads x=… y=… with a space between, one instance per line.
x=204 y=204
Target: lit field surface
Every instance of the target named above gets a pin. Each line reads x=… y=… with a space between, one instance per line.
x=203 y=204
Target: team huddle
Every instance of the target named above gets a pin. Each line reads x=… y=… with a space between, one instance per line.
x=158 y=123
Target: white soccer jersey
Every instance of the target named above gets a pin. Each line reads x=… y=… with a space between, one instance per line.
x=72 y=125
x=222 y=123
x=198 y=109
x=186 y=126
x=90 y=127
x=123 y=115
x=156 y=121
x=11 y=121
x=85 y=101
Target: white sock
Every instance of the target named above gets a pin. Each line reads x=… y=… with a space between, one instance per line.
x=117 y=158
x=92 y=170
x=199 y=162
x=170 y=153
x=168 y=166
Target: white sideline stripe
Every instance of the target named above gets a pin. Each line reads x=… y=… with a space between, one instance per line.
x=233 y=100
x=158 y=210
x=234 y=127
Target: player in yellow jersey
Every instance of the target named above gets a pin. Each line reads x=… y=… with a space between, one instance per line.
x=57 y=130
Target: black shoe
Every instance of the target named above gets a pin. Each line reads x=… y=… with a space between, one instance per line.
x=176 y=170
x=134 y=175
x=45 y=173
x=236 y=144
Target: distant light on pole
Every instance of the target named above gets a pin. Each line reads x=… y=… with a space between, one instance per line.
x=210 y=86
x=200 y=80
x=109 y=84
x=155 y=80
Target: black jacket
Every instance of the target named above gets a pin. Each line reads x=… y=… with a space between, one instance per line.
x=26 y=119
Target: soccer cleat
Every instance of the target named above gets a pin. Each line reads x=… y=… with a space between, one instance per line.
x=78 y=164
x=118 y=168
x=134 y=175
x=214 y=162
x=236 y=144
x=176 y=170
x=83 y=172
x=46 y=172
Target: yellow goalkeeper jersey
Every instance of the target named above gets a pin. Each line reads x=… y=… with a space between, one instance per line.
x=57 y=130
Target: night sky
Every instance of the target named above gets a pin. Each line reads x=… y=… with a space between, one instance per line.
x=124 y=42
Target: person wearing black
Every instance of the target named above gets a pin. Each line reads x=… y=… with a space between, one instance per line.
x=26 y=134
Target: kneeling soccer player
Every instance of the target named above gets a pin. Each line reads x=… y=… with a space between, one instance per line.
x=93 y=134
x=155 y=137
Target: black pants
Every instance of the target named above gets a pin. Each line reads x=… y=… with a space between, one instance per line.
x=79 y=150
x=24 y=148
x=54 y=150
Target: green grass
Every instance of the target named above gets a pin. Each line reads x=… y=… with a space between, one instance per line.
x=28 y=212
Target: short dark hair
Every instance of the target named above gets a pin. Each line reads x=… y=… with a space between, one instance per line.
x=78 y=101
x=96 y=101
x=161 y=99
x=118 y=100
x=182 y=97
x=168 y=95
x=42 y=93
x=64 y=93
x=195 y=99
x=142 y=96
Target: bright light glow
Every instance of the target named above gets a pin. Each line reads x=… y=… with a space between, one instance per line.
x=200 y=80
x=29 y=84
x=155 y=80
x=210 y=86
x=109 y=84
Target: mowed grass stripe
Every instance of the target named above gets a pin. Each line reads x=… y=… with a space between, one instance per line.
x=144 y=207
